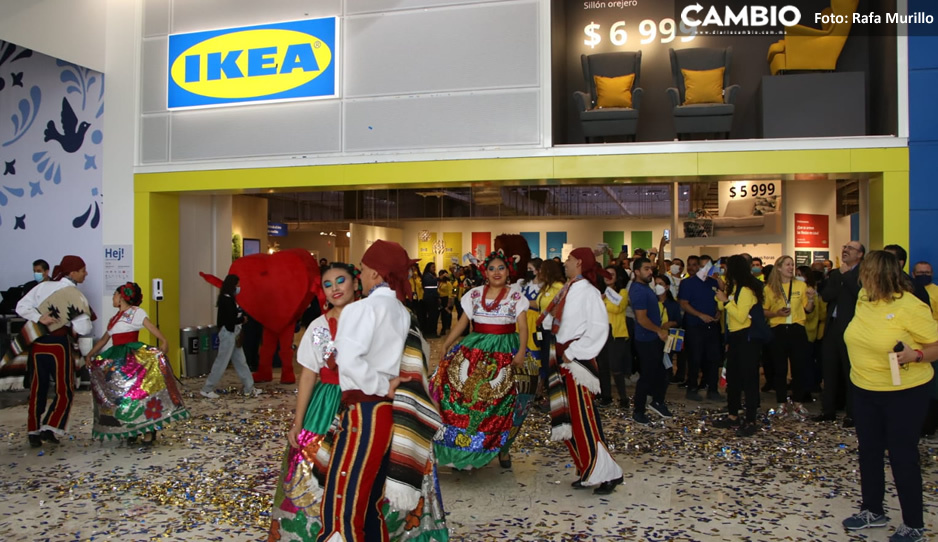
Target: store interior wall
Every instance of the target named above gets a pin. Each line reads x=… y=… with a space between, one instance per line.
x=322 y=246
x=580 y=232
x=249 y=219
x=363 y=235
x=205 y=225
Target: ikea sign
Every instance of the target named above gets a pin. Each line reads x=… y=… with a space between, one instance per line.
x=266 y=63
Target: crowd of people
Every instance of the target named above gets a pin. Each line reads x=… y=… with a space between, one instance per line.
x=372 y=422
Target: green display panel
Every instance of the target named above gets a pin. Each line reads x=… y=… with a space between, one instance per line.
x=641 y=239
x=615 y=240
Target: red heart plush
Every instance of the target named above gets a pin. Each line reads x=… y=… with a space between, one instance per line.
x=276 y=288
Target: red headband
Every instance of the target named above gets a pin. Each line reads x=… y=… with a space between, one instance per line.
x=391 y=261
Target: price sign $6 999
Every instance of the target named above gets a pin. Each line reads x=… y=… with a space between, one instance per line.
x=648 y=29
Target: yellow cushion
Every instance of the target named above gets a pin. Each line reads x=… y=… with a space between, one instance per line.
x=703 y=86
x=614 y=91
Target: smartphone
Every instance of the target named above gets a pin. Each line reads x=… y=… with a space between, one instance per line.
x=625 y=248
x=667 y=235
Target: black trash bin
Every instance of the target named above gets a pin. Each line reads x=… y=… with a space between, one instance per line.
x=189 y=340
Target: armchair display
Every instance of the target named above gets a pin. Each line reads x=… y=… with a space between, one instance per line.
x=621 y=119
x=709 y=106
x=806 y=48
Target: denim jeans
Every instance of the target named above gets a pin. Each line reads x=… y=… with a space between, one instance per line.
x=228 y=352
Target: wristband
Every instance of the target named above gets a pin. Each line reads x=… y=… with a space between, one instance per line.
x=919 y=355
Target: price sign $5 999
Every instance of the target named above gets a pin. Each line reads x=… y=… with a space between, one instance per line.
x=648 y=29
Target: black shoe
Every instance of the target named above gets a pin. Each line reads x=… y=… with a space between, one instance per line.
x=693 y=395
x=606 y=488
x=35 y=441
x=683 y=385
x=624 y=402
x=504 y=463
x=641 y=418
x=578 y=485
x=714 y=395
x=747 y=429
x=676 y=379
x=48 y=436
x=726 y=423
x=848 y=422
x=605 y=402
x=825 y=418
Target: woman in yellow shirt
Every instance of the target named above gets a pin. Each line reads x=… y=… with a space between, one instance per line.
x=889 y=403
x=612 y=358
x=743 y=352
x=787 y=304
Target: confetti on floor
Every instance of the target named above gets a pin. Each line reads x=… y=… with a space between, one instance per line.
x=212 y=477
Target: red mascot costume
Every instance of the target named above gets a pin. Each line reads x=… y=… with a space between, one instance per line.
x=275 y=290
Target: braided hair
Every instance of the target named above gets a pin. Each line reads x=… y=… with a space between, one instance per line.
x=130 y=292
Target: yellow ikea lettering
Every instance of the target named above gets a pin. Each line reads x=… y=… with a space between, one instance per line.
x=251 y=63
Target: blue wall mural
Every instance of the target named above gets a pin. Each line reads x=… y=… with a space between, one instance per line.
x=51 y=133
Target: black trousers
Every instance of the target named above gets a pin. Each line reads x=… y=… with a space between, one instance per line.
x=654 y=379
x=742 y=374
x=836 y=367
x=613 y=365
x=704 y=353
x=632 y=352
x=431 y=302
x=790 y=345
x=446 y=315
x=891 y=420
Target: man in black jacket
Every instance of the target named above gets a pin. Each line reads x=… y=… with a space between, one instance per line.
x=840 y=292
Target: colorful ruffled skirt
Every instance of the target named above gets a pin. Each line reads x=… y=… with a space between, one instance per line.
x=298 y=499
x=303 y=471
x=134 y=391
x=479 y=401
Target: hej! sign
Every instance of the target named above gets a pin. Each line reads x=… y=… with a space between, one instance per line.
x=272 y=62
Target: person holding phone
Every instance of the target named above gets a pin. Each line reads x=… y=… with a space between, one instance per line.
x=787 y=304
x=889 y=417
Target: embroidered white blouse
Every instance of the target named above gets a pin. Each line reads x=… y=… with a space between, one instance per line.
x=513 y=304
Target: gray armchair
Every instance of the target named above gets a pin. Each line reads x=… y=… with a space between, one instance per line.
x=716 y=118
x=609 y=121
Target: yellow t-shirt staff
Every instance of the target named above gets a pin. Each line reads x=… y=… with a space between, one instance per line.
x=742 y=360
x=787 y=303
x=890 y=400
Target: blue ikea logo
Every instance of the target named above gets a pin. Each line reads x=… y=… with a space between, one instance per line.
x=265 y=63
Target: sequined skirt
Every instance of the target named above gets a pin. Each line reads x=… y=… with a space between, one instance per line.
x=476 y=386
x=134 y=391
x=303 y=471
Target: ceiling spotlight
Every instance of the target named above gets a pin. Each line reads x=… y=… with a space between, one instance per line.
x=348 y=234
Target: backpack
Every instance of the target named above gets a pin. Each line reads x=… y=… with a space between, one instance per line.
x=759 y=329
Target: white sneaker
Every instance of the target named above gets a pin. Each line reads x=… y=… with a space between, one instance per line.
x=209 y=394
x=254 y=392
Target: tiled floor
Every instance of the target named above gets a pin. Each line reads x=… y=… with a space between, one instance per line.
x=212 y=478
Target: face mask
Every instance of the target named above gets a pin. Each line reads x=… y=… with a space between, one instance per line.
x=529 y=275
x=756 y=270
x=38 y=277
x=922 y=280
x=675 y=270
x=659 y=289
x=800 y=278
x=237 y=290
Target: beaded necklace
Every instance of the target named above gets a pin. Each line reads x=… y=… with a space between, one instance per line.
x=495 y=302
